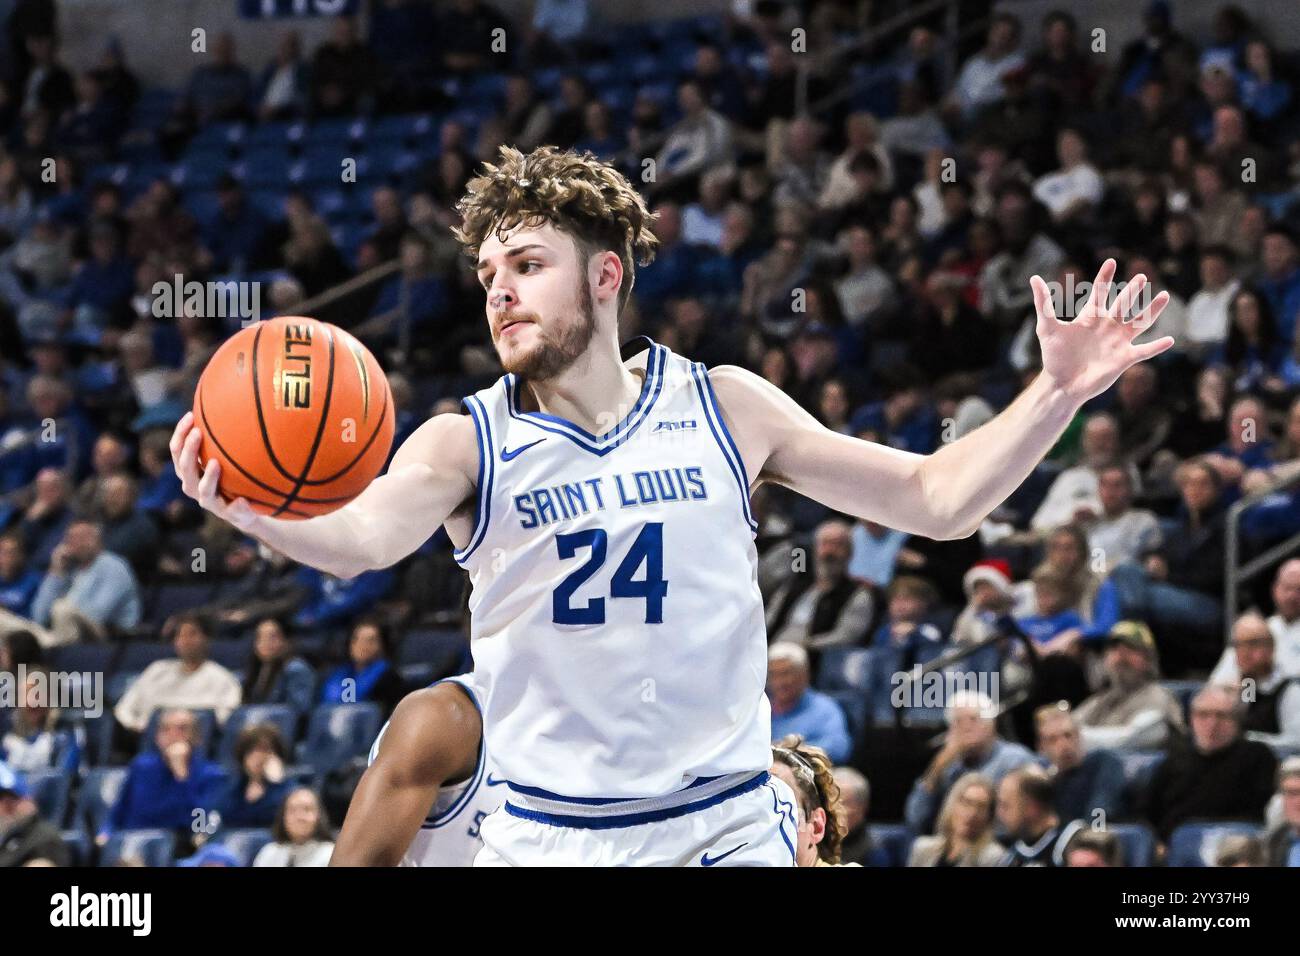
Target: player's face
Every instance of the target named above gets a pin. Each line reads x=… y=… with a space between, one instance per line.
x=539 y=304
x=812 y=825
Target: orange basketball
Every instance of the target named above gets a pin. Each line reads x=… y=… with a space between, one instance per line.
x=299 y=414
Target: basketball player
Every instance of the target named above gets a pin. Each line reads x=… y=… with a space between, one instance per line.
x=599 y=499
x=429 y=785
x=818 y=812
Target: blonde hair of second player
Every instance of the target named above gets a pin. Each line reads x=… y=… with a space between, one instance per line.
x=943 y=827
x=813 y=771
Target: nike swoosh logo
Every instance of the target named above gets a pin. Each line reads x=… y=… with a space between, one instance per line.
x=705 y=861
x=508 y=455
x=494 y=783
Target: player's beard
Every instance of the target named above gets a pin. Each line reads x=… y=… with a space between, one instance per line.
x=550 y=356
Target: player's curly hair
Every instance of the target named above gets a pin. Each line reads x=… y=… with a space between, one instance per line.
x=813 y=771
x=586 y=198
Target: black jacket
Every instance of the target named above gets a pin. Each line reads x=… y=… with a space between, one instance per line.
x=33 y=839
x=1234 y=783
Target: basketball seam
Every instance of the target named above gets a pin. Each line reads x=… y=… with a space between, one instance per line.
x=320 y=432
x=383 y=414
x=207 y=428
x=261 y=420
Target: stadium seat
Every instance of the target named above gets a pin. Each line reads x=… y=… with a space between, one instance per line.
x=50 y=790
x=338 y=732
x=151 y=847
x=78 y=845
x=335 y=132
x=1137 y=843
x=207 y=723
x=99 y=791
x=268 y=167
x=231 y=653
x=245 y=843
x=885 y=663
x=441 y=650
x=895 y=839
x=418 y=675
x=171 y=599
x=138 y=655
x=1194 y=844
x=117 y=683
x=278 y=134
x=845 y=668
x=1183 y=691
x=83 y=658
x=856 y=709
x=99 y=737
x=1139 y=765
x=281 y=715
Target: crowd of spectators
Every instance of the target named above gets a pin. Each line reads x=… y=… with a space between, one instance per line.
x=870 y=256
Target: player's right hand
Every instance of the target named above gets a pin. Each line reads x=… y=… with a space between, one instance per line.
x=202 y=486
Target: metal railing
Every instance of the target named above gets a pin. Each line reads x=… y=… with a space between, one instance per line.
x=1236 y=574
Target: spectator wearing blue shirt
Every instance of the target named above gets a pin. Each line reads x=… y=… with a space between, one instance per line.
x=103 y=286
x=798 y=709
x=47 y=518
x=1088 y=781
x=222 y=89
x=409 y=304
x=235 y=233
x=1055 y=614
x=906 y=626
x=1279 y=278
x=164 y=787
x=332 y=600
x=18 y=582
x=276 y=675
x=367 y=676
x=88 y=592
x=971 y=744
x=875 y=550
x=254 y=797
x=1261 y=92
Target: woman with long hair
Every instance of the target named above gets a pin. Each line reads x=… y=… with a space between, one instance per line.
x=963 y=835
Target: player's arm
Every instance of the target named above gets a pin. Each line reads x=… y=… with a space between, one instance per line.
x=946 y=494
x=433 y=737
x=431 y=475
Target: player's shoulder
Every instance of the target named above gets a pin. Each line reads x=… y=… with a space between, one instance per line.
x=446 y=438
x=742 y=395
x=432 y=731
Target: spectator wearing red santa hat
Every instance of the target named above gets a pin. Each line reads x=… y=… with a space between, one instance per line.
x=988 y=597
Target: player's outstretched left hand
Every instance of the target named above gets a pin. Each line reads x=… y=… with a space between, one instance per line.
x=1085 y=357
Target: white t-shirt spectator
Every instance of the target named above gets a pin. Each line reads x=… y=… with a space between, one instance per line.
x=980 y=82
x=1207 y=315
x=311 y=853
x=166 y=684
x=1060 y=190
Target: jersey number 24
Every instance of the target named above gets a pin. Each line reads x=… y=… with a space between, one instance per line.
x=647 y=549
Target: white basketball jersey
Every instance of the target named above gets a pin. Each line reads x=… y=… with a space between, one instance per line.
x=449 y=835
x=616 y=622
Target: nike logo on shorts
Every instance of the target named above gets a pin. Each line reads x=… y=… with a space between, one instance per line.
x=706 y=861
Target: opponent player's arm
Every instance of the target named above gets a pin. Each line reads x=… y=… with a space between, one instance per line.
x=949 y=493
x=432 y=738
x=431 y=475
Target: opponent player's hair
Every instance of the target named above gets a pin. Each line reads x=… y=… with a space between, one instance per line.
x=813 y=772
x=588 y=199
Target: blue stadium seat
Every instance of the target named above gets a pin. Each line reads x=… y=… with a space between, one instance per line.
x=116 y=684
x=231 y=653
x=1139 y=765
x=50 y=790
x=245 y=843
x=138 y=655
x=895 y=839
x=99 y=737
x=207 y=723
x=80 y=657
x=281 y=715
x=845 y=668
x=403 y=129
x=338 y=732
x=279 y=134
x=1137 y=843
x=417 y=675
x=99 y=791
x=268 y=168
x=1194 y=844
x=442 y=650
x=171 y=599
x=885 y=662
x=335 y=132
x=1183 y=691
x=856 y=707
x=78 y=845
x=152 y=847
